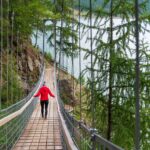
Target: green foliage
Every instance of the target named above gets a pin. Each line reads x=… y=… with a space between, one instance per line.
x=12 y=90
x=26 y=16
x=82 y=79
x=65 y=27
x=48 y=56
x=114 y=73
x=96 y=4
x=114 y=64
x=19 y=21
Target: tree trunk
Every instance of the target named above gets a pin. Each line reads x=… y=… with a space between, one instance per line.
x=109 y=130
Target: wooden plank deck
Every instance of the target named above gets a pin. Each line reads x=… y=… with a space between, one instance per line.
x=40 y=133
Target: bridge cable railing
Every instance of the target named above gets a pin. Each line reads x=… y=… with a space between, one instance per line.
x=19 y=104
x=85 y=138
x=15 y=118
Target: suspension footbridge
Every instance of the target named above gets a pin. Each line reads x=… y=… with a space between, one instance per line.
x=117 y=86
x=22 y=126
x=42 y=133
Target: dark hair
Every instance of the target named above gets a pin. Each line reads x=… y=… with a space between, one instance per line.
x=44 y=83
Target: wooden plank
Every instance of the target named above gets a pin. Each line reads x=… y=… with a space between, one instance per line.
x=42 y=133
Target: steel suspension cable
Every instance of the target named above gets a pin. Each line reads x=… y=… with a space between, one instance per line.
x=61 y=36
x=11 y=51
x=1 y=58
x=26 y=71
x=73 y=101
x=55 y=54
x=8 y=49
x=18 y=38
x=17 y=62
x=80 y=68
x=137 y=80
x=43 y=51
x=92 y=73
x=21 y=49
x=63 y=57
x=73 y=49
x=36 y=35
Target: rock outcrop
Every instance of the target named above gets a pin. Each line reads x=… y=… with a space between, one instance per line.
x=29 y=65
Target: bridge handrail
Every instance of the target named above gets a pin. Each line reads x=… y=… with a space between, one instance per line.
x=83 y=135
x=109 y=145
x=12 y=125
x=96 y=138
x=68 y=143
x=25 y=101
x=99 y=138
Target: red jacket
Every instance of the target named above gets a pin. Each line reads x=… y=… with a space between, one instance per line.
x=43 y=92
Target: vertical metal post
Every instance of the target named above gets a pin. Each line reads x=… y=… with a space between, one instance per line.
x=55 y=54
x=1 y=67
x=55 y=57
x=93 y=131
x=92 y=78
x=17 y=62
x=73 y=61
x=137 y=80
x=8 y=48
x=55 y=38
x=36 y=35
x=92 y=73
x=80 y=69
x=43 y=51
x=61 y=36
x=12 y=32
x=72 y=46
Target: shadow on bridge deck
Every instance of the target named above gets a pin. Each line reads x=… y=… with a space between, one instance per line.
x=42 y=134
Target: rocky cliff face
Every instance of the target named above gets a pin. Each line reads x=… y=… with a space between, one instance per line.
x=20 y=71
x=29 y=65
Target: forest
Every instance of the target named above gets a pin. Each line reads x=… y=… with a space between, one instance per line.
x=108 y=101
x=97 y=3
x=18 y=21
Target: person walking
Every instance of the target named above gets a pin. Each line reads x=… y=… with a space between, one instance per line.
x=43 y=92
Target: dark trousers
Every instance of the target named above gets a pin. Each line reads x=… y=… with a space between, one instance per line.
x=44 y=104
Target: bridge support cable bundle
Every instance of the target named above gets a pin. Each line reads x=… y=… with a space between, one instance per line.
x=13 y=124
